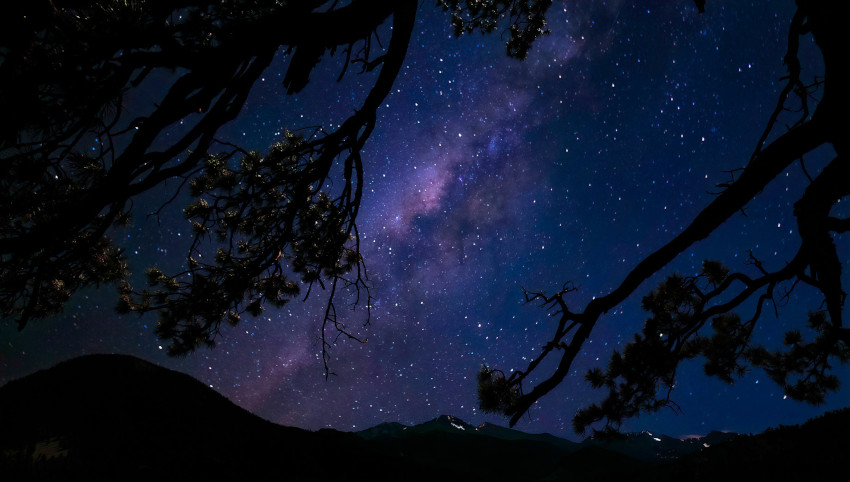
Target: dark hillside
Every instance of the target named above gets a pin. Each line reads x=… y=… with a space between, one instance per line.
x=815 y=450
x=114 y=417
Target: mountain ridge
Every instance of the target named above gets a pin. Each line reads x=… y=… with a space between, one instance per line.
x=108 y=417
x=641 y=445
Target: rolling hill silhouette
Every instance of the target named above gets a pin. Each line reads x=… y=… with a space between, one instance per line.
x=116 y=417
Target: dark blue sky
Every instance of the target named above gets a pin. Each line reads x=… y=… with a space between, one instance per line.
x=485 y=175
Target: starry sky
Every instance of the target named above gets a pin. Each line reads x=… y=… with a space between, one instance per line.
x=487 y=175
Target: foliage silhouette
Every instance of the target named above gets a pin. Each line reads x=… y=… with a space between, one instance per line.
x=693 y=316
x=75 y=158
x=526 y=20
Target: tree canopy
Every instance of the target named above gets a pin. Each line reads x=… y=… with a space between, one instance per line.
x=697 y=315
x=75 y=158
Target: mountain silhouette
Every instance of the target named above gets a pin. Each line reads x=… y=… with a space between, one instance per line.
x=814 y=450
x=450 y=444
x=116 y=417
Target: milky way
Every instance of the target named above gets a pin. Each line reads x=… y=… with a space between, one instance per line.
x=487 y=175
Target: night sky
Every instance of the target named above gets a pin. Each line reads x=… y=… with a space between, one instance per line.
x=487 y=175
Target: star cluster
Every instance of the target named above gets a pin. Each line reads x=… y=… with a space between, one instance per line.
x=487 y=175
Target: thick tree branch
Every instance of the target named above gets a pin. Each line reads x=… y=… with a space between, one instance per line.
x=774 y=159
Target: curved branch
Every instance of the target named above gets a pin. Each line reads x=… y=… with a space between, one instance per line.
x=774 y=159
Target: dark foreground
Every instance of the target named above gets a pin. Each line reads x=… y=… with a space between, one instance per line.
x=114 y=417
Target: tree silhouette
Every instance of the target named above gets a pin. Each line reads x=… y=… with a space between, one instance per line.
x=75 y=158
x=694 y=315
